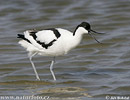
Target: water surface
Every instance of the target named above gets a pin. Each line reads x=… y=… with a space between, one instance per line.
x=92 y=71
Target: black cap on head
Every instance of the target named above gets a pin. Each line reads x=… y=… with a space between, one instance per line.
x=85 y=25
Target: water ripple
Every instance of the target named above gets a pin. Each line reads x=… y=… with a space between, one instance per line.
x=90 y=71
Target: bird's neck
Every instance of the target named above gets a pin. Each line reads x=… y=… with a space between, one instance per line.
x=74 y=40
x=78 y=35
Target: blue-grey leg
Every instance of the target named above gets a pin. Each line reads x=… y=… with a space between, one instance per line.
x=51 y=68
x=34 y=68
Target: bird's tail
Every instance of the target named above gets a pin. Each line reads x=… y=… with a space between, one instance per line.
x=23 y=37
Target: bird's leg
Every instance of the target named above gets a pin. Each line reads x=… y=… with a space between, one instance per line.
x=51 y=69
x=34 y=68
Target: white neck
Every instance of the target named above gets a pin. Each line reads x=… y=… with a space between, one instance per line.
x=78 y=35
x=76 y=38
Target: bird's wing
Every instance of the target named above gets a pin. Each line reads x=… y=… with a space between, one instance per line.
x=42 y=39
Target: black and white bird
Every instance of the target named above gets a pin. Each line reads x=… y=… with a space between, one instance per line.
x=53 y=42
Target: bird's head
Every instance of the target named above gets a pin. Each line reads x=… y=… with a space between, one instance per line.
x=85 y=28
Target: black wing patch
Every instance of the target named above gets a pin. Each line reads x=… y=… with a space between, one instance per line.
x=33 y=33
x=55 y=31
x=22 y=37
x=46 y=45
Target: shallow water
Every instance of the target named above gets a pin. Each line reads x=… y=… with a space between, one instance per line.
x=92 y=71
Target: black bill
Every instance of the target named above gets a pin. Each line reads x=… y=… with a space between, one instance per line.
x=92 y=31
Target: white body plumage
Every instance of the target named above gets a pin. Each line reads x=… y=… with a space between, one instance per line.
x=61 y=46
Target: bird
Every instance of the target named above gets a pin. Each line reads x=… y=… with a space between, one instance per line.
x=53 y=42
